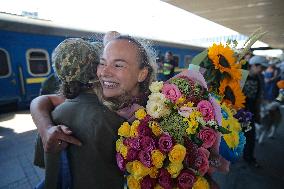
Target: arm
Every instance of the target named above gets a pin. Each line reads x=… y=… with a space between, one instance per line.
x=51 y=136
x=275 y=75
x=40 y=111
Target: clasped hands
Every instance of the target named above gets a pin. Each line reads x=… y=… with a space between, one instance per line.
x=57 y=138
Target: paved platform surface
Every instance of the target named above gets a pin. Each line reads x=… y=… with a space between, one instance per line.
x=17 y=135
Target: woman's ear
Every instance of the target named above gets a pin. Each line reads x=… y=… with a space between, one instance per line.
x=143 y=73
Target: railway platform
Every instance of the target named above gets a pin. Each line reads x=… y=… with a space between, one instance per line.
x=17 y=136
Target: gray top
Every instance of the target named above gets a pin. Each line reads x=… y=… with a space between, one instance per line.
x=93 y=165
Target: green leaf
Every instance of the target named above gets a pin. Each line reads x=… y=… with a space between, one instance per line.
x=196 y=140
x=199 y=58
x=250 y=41
x=223 y=130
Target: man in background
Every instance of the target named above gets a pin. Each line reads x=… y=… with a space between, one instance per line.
x=253 y=89
x=168 y=66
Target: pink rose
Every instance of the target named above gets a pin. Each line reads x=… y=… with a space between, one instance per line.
x=217 y=110
x=186 y=179
x=203 y=156
x=171 y=92
x=208 y=136
x=198 y=160
x=206 y=109
x=148 y=182
x=120 y=161
x=164 y=179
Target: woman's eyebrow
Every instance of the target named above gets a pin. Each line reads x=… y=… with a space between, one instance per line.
x=120 y=60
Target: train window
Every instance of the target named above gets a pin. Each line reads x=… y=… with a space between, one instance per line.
x=5 y=69
x=187 y=60
x=38 y=62
x=176 y=59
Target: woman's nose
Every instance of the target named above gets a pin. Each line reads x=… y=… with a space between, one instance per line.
x=106 y=71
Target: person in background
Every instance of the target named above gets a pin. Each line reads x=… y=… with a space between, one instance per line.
x=159 y=62
x=271 y=117
x=271 y=77
x=168 y=66
x=50 y=85
x=253 y=92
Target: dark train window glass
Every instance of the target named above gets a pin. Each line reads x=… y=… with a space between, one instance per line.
x=37 y=55
x=187 y=60
x=38 y=62
x=176 y=59
x=4 y=64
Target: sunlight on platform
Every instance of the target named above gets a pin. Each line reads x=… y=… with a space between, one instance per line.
x=19 y=122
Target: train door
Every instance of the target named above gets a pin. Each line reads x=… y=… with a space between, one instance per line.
x=9 y=85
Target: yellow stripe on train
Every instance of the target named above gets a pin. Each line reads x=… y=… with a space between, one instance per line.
x=35 y=80
x=177 y=70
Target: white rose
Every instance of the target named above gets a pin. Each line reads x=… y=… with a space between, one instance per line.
x=157 y=97
x=157 y=109
x=156 y=86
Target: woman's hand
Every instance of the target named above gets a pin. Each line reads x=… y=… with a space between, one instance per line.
x=57 y=138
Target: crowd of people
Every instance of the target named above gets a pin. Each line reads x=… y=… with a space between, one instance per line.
x=263 y=90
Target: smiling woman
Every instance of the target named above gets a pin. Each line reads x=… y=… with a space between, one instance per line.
x=125 y=74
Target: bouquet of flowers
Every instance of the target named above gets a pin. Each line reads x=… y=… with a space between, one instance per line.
x=174 y=140
x=221 y=66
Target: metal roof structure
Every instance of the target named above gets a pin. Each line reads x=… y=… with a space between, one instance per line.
x=243 y=16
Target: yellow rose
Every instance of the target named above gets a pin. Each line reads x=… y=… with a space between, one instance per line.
x=174 y=169
x=158 y=187
x=123 y=150
x=133 y=128
x=137 y=169
x=154 y=172
x=156 y=129
x=124 y=130
x=157 y=158
x=140 y=114
x=201 y=183
x=133 y=183
x=177 y=154
x=118 y=144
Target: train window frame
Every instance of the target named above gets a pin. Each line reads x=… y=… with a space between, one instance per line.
x=178 y=56
x=185 y=57
x=9 y=64
x=28 y=62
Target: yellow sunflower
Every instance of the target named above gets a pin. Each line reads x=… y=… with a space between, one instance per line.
x=224 y=60
x=232 y=93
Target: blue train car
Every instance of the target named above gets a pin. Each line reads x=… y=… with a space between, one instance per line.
x=25 y=55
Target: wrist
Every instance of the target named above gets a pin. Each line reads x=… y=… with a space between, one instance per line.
x=44 y=132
